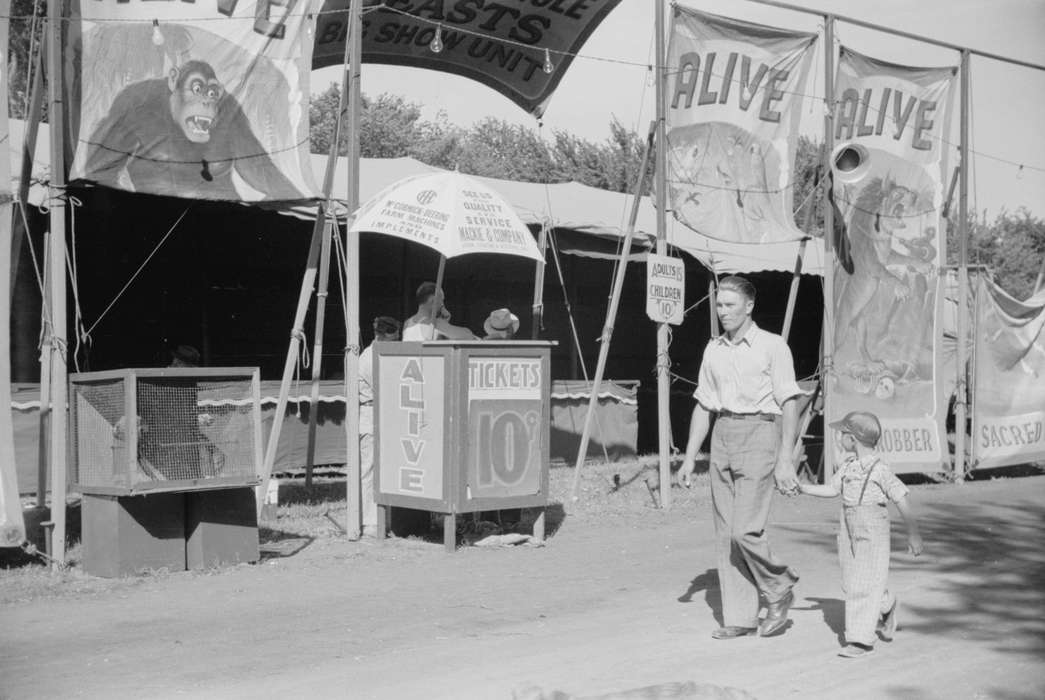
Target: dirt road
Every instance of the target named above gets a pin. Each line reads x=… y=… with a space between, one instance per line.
x=618 y=599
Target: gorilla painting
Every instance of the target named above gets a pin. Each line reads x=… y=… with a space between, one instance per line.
x=183 y=135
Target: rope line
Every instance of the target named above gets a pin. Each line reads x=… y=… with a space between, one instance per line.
x=139 y=270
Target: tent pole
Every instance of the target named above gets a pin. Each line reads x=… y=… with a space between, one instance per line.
x=43 y=460
x=663 y=356
x=961 y=400
x=1040 y=282
x=353 y=526
x=827 y=365
x=32 y=129
x=59 y=388
x=611 y=314
x=308 y=282
x=712 y=308
x=537 y=311
x=317 y=348
x=792 y=293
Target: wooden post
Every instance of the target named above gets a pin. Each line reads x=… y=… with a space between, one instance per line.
x=827 y=366
x=537 y=310
x=43 y=459
x=32 y=128
x=56 y=193
x=353 y=526
x=961 y=388
x=792 y=293
x=712 y=309
x=308 y=282
x=317 y=348
x=663 y=356
x=611 y=316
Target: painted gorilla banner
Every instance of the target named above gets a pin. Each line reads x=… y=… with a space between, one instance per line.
x=734 y=96
x=1008 y=423
x=890 y=124
x=195 y=100
x=500 y=44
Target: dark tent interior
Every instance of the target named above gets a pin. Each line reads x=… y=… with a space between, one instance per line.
x=226 y=280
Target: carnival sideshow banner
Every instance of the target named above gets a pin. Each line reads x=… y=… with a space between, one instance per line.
x=193 y=100
x=1009 y=378
x=734 y=98
x=520 y=49
x=891 y=126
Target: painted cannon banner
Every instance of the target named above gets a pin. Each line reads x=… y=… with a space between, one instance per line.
x=888 y=187
x=521 y=49
x=734 y=97
x=1009 y=378
x=203 y=101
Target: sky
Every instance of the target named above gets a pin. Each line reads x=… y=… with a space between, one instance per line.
x=1007 y=122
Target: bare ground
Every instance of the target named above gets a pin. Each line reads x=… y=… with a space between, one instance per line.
x=622 y=596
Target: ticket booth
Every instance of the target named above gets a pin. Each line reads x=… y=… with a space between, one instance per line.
x=460 y=427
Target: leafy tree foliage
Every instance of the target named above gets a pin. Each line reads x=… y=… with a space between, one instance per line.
x=1012 y=246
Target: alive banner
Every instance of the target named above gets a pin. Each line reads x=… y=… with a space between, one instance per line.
x=195 y=100
x=734 y=95
x=1008 y=415
x=520 y=49
x=891 y=127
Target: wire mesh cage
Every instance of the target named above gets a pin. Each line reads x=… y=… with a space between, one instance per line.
x=142 y=430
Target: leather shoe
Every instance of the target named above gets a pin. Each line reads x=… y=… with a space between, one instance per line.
x=775 y=621
x=732 y=632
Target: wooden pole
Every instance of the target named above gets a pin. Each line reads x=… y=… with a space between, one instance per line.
x=59 y=389
x=827 y=365
x=712 y=308
x=353 y=526
x=663 y=356
x=961 y=388
x=537 y=310
x=32 y=129
x=611 y=315
x=308 y=282
x=43 y=454
x=792 y=293
x=317 y=349
x=1040 y=282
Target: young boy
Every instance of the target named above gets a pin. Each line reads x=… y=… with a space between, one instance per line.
x=866 y=484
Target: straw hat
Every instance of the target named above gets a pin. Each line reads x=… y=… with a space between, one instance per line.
x=501 y=322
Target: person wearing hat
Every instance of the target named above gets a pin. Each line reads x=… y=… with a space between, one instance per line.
x=747 y=379
x=866 y=484
x=185 y=356
x=501 y=324
x=386 y=328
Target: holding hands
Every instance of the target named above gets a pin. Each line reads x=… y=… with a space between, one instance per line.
x=785 y=476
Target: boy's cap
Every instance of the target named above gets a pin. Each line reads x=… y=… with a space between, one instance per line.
x=862 y=425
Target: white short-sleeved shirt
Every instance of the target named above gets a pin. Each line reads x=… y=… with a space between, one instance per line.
x=755 y=374
x=882 y=484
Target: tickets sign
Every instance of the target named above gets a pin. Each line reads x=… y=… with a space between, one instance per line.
x=505 y=410
x=665 y=289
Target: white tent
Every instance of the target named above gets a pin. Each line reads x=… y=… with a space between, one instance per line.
x=568 y=206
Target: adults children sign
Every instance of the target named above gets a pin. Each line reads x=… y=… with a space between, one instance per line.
x=521 y=48
x=665 y=289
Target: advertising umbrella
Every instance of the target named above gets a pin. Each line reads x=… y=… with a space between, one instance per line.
x=449 y=212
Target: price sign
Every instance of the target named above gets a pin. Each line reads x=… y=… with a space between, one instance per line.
x=665 y=289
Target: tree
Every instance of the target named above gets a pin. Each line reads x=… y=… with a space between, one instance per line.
x=1012 y=246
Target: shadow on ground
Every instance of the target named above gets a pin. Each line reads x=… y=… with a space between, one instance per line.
x=982 y=577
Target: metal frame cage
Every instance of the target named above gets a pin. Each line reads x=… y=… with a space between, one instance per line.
x=140 y=430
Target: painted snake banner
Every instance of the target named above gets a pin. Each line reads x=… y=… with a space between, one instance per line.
x=202 y=101
x=732 y=121
x=891 y=125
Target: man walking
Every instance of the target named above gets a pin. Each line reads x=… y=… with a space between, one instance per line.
x=747 y=378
